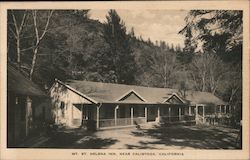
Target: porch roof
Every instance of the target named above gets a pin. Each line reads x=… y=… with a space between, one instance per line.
x=19 y=84
x=111 y=93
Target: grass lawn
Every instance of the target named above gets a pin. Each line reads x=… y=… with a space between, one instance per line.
x=150 y=136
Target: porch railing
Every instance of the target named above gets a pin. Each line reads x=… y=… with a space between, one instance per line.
x=120 y=122
x=123 y=121
x=106 y=122
x=178 y=118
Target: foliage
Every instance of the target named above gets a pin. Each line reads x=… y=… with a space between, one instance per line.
x=217 y=31
x=215 y=38
x=76 y=47
x=120 y=51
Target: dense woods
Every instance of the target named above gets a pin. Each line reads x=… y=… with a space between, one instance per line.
x=67 y=44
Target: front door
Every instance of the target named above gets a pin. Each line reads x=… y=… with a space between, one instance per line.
x=152 y=113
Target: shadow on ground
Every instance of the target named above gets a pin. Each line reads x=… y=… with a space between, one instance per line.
x=198 y=137
x=77 y=138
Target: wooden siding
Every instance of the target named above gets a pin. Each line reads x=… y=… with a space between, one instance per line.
x=62 y=96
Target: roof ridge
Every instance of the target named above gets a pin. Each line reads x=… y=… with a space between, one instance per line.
x=109 y=92
x=68 y=81
x=174 y=89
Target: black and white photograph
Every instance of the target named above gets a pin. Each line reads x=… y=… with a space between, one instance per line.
x=126 y=79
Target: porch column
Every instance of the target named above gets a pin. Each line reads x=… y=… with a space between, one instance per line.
x=203 y=113
x=116 y=108
x=132 y=115
x=28 y=115
x=196 y=110
x=230 y=108
x=189 y=110
x=196 y=113
x=169 y=114
x=220 y=108
x=87 y=112
x=225 y=109
x=158 y=114
x=146 y=114
x=179 y=113
x=98 y=116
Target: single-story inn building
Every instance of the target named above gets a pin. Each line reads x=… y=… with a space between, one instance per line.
x=24 y=107
x=112 y=105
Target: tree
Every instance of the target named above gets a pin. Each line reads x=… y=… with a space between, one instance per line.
x=207 y=71
x=218 y=31
x=50 y=45
x=215 y=38
x=186 y=56
x=164 y=66
x=121 y=53
x=218 y=34
x=16 y=23
x=38 y=36
x=28 y=34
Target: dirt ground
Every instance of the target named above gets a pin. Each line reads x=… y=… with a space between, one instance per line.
x=150 y=136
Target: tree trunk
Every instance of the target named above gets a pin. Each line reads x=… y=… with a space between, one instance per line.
x=18 y=51
x=33 y=62
x=38 y=39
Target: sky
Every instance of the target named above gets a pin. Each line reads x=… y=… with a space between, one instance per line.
x=154 y=24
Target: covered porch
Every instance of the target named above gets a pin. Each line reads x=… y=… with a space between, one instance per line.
x=128 y=114
x=211 y=114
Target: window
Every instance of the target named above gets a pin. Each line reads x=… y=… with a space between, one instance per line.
x=62 y=107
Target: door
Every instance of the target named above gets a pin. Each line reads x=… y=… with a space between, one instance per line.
x=152 y=113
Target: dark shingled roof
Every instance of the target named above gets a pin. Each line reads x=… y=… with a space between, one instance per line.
x=19 y=84
x=109 y=93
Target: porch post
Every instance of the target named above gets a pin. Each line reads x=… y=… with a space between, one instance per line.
x=158 y=114
x=189 y=110
x=179 y=113
x=225 y=109
x=28 y=115
x=98 y=116
x=196 y=113
x=169 y=114
x=132 y=115
x=87 y=112
x=220 y=109
x=203 y=113
x=116 y=114
x=146 y=114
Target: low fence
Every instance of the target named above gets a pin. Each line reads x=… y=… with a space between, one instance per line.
x=168 y=119
x=120 y=122
x=219 y=120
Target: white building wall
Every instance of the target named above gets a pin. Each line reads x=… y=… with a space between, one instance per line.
x=61 y=94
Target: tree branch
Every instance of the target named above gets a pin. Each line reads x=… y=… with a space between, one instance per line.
x=46 y=26
x=13 y=32
x=15 y=23
x=22 y=22
x=35 y=26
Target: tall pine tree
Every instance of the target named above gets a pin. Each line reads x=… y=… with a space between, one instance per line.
x=121 y=53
